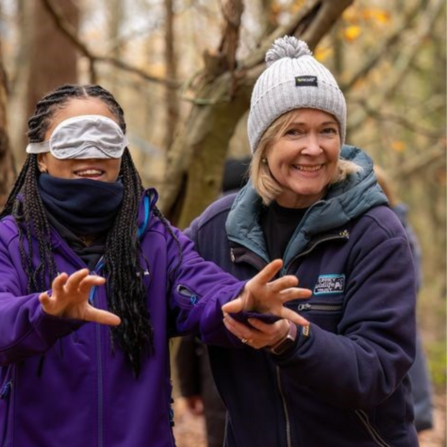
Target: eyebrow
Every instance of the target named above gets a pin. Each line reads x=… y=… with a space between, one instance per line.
x=325 y=123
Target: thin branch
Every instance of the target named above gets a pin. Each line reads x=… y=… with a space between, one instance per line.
x=428 y=17
x=421 y=162
x=390 y=42
x=70 y=33
x=310 y=23
x=407 y=124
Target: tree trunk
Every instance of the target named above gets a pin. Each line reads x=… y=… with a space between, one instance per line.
x=7 y=170
x=172 y=104
x=53 y=57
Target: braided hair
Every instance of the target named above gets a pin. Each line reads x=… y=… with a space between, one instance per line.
x=125 y=289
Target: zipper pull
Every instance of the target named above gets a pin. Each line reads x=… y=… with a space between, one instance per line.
x=6 y=389
x=306 y=306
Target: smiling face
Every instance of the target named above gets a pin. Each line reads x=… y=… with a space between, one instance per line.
x=106 y=170
x=303 y=159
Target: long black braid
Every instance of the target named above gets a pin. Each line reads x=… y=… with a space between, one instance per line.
x=126 y=294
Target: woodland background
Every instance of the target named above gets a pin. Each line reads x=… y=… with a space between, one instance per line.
x=183 y=71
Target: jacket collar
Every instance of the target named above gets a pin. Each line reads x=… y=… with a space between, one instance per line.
x=345 y=201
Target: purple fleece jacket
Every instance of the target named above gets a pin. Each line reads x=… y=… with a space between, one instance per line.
x=85 y=395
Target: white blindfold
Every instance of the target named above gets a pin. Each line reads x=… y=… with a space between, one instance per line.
x=85 y=136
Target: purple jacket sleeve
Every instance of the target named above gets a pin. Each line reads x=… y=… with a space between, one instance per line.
x=25 y=329
x=198 y=291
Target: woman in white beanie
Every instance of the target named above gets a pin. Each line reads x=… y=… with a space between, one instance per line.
x=340 y=379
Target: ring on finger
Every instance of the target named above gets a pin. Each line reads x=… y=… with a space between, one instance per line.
x=244 y=340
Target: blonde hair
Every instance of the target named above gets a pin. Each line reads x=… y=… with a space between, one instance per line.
x=262 y=180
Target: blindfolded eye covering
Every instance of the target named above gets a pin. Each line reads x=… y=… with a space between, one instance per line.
x=85 y=136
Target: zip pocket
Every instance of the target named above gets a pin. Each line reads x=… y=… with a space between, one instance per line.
x=325 y=315
x=191 y=298
x=320 y=307
x=371 y=430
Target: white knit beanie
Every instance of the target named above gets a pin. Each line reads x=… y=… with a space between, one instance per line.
x=293 y=79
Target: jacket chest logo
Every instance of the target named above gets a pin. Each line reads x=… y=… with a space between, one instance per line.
x=330 y=284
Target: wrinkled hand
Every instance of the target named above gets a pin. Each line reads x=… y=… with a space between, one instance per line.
x=259 y=334
x=69 y=298
x=265 y=296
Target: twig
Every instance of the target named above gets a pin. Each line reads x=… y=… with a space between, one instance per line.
x=407 y=124
x=391 y=41
x=421 y=162
x=404 y=60
x=68 y=30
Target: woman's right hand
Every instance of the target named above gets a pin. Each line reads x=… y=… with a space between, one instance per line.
x=265 y=294
x=69 y=298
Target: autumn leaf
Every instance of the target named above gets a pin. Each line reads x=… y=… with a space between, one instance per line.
x=398 y=146
x=321 y=54
x=352 y=32
x=379 y=15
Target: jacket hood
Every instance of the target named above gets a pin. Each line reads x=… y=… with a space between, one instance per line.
x=343 y=202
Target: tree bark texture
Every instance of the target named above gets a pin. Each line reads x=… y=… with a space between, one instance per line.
x=7 y=169
x=172 y=102
x=53 y=56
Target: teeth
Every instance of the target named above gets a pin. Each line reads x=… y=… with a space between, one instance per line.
x=308 y=168
x=89 y=172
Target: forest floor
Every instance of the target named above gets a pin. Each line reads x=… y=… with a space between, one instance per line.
x=189 y=430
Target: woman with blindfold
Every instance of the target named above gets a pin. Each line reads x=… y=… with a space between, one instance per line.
x=82 y=242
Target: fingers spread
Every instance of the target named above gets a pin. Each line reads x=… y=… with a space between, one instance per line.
x=268 y=272
x=90 y=281
x=101 y=316
x=44 y=299
x=295 y=293
x=59 y=282
x=294 y=317
x=75 y=279
x=283 y=283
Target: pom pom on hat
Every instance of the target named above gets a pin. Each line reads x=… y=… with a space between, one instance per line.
x=288 y=46
x=293 y=79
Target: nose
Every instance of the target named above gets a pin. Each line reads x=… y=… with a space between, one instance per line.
x=312 y=145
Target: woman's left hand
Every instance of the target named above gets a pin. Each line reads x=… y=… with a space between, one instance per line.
x=258 y=334
x=265 y=296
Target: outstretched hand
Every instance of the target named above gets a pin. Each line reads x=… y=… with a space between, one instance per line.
x=69 y=298
x=265 y=296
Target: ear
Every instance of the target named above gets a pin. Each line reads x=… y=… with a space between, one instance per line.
x=41 y=163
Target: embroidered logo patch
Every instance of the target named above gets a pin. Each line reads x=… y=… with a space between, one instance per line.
x=306 y=81
x=330 y=284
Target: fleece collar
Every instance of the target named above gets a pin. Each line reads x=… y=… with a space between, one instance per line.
x=344 y=201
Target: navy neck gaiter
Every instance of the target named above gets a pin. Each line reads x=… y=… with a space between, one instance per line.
x=85 y=206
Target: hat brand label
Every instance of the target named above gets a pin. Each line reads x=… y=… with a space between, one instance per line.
x=306 y=81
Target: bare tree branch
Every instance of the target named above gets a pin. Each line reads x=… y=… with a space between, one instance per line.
x=421 y=162
x=389 y=43
x=68 y=31
x=311 y=22
x=407 y=124
x=402 y=62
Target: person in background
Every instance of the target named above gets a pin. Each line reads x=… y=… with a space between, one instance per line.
x=420 y=379
x=82 y=242
x=196 y=383
x=314 y=202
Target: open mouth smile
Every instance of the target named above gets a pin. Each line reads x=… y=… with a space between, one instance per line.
x=308 y=168
x=89 y=173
